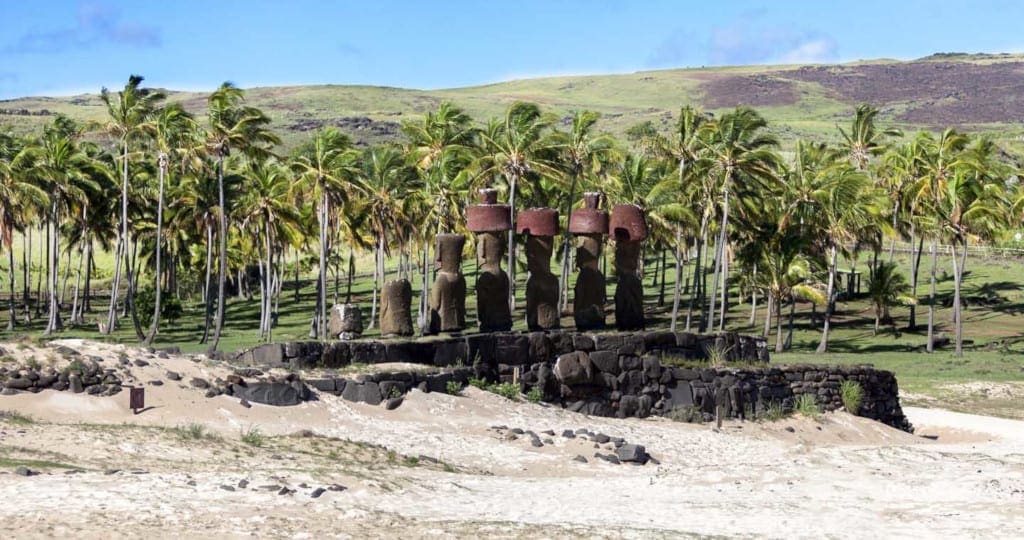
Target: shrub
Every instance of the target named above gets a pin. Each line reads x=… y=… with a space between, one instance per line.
x=807 y=405
x=773 y=412
x=535 y=395
x=253 y=437
x=688 y=414
x=718 y=355
x=453 y=388
x=16 y=418
x=478 y=383
x=195 y=432
x=506 y=390
x=852 y=395
x=145 y=301
x=32 y=363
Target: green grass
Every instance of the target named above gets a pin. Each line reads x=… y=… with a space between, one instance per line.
x=16 y=418
x=195 y=432
x=852 y=395
x=254 y=437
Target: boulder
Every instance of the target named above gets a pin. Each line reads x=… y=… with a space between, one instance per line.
x=632 y=453
x=270 y=393
x=345 y=321
x=574 y=368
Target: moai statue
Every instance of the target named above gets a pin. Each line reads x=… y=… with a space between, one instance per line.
x=448 y=296
x=395 y=308
x=629 y=229
x=540 y=225
x=590 y=224
x=345 y=322
x=490 y=220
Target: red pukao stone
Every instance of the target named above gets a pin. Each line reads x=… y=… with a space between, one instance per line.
x=489 y=216
x=537 y=222
x=589 y=219
x=627 y=223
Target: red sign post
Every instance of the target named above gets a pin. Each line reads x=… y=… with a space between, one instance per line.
x=137 y=399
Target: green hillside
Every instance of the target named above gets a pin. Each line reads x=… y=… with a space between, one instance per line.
x=977 y=93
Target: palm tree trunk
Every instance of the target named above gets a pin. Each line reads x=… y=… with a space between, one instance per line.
x=661 y=294
x=753 y=301
x=778 y=326
x=792 y=316
x=830 y=302
x=223 y=266
x=155 y=326
x=53 y=324
x=26 y=273
x=725 y=289
x=351 y=271
x=207 y=295
x=697 y=273
x=719 y=253
x=123 y=238
x=915 y=260
x=76 y=313
x=421 y=318
x=512 y=248
x=132 y=267
x=270 y=278
x=957 y=309
x=930 y=346
x=769 y=305
x=10 y=275
x=321 y=325
x=563 y=283
x=679 y=276
x=87 y=296
x=377 y=277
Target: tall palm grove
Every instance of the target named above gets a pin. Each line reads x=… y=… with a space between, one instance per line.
x=203 y=210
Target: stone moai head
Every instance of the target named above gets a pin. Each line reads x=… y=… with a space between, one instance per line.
x=448 y=249
x=490 y=248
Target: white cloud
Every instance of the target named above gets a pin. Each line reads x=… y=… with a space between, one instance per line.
x=817 y=51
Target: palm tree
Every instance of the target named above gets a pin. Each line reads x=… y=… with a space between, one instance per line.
x=518 y=146
x=585 y=154
x=442 y=147
x=887 y=287
x=232 y=125
x=327 y=165
x=742 y=161
x=391 y=188
x=864 y=140
x=17 y=191
x=267 y=204
x=129 y=115
x=61 y=166
x=173 y=128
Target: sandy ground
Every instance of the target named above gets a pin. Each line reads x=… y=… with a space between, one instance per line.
x=435 y=467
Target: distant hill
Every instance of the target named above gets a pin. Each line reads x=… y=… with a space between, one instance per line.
x=979 y=93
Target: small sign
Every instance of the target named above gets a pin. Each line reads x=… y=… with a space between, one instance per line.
x=137 y=399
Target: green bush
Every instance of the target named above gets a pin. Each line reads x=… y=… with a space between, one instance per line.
x=506 y=390
x=145 y=301
x=688 y=414
x=773 y=412
x=453 y=388
x=478 y=383
x=807 y=405
x=253 y=437
x=852 y=395
x=535 y=395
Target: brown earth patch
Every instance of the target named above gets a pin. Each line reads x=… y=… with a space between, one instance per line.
x=752 y=90
x=940 y=93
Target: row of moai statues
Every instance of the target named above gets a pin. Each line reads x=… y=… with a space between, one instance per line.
x=490 y=222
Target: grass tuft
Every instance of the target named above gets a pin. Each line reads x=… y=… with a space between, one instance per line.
x=852 y=395
x=16 y=418
x=253 y=437
x=807 y=405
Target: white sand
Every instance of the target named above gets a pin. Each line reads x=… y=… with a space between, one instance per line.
x=841 y=476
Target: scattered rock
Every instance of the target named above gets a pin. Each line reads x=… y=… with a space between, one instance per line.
x=174 y=375
x=243 y=483
x=285 y=491
x=393 y=403
x=199 y=383
x=580 y=459
x=245 y=403
x=24 y=471
x=226 y=487
x=601 y=438
x=156 y=382
x=536 y=443
x=790 y=429
x=140 y=363
x=517 y=431
x=317 y=493
x=633 y=453
x=336 y=487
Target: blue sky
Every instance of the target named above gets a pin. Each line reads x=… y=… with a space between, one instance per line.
x=73 y=46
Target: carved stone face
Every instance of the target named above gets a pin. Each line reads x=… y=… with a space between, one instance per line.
x=538 y=254
x=490 y=248
x=448 y=248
